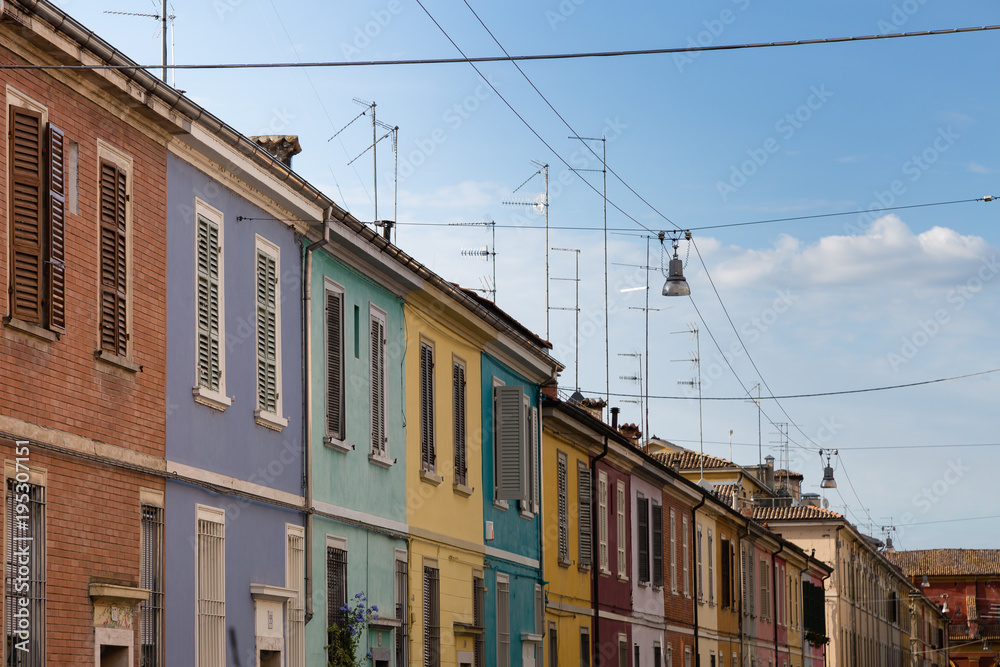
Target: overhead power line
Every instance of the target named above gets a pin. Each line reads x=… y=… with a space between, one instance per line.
x=549 y=56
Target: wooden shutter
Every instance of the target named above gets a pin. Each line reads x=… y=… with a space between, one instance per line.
x=427 y=453
x=267 y=333
x=534 y=453
x=57 y=230
x=508 y=420
x=562 y=505
x=335 y=364
x=620 y=531
x=209 y=326
x=114 y=316
x=458 y=389
x=377 y=360
x=585 y=519
x=725 y=573
x=657 y=545
x=26 y=213
x=642 y=525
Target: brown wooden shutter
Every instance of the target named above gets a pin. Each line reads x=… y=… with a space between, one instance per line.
x=642 y=527
x=57 y=230
x=427 y=454
x=585 y=514
x=26 y=214
x=114 y=338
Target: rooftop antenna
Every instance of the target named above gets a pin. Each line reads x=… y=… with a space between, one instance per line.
x=391 y=131
x=635 y=379
x=163 y=17
x=695 y=360
x=756 y=401
x=488 y=253
x=543 y=169
x=607 y=329
x=782 y=443
x=576 y=309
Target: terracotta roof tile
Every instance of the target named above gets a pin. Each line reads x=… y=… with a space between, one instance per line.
x=797 y=513
x=947 y=562
x=689 y=460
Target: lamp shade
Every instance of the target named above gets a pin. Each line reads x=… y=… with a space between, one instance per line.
x=676 y=285
x=828 y=481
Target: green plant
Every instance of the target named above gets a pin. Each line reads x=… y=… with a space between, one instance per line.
x=345 y=636
x=816 y=639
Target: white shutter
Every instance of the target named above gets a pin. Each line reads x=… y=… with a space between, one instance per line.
x=503 y=621
x=620 y=507
x=211 y=587
x=602 y=520
x=673 y=550
x=509 y=430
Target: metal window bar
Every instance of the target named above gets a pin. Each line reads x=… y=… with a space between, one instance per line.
x=432 y=617
x=402 y=613
x=296 y=622
x=151 y=578
x=336 y=588
x=211 y=593
x=25 y=531
x=479 y=619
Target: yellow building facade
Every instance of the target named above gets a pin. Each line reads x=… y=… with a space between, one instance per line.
x=444 y=485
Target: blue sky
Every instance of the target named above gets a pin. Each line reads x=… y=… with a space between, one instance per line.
x=827 y=304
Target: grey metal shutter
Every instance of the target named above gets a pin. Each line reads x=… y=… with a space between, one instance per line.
x=642 y=526
x=427 y=453
x=508 y=418
x=657 y=545
x=586 y=516
x=562 y=493
x=335 y=365
x=458 y=390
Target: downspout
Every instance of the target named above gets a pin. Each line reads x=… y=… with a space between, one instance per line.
x=774 y=597
x=595 y=562
x=307 y=422
x=694 y=598
x=824 y=614
x=840 y=586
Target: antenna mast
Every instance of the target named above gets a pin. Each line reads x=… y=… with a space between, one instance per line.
x=162 y=17
x=576 y=310
x=544 y=170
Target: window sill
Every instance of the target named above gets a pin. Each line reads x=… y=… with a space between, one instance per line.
x=526 y=514
x=213 y=399
x=643 y=584
x=565 y=563
x=269 y=420
x=115 y=360
x=604 y=573
x=583 y=567
x=430 y=477
x=336 y=444
x=623 y=579
x=462 y=489
x=501 y=505
x=381 y=460
x=657 y=589
x=33 y=329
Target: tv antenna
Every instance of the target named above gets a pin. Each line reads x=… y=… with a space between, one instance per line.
x=756 y=401
x=782 y=443
x=488 y=253
x=636 y=380
x=163 y=17
x=390 y=131
x=539 y=205
x=695 y=360
x=576 y=309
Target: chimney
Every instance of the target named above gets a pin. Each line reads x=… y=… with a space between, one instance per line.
x=614 y=418
x=281 y=146
x=386 y=228
x=595 y=406
x=810 y=499
x=769 y=471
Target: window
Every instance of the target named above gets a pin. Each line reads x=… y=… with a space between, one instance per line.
x=673 y=551
x=622 y=651
x=336 y=583
x=687 y=656
x=509 y=444
x=503 y=621
x=211 y=587
x=402 y=607
x=657 y=655
x=764 y=589
x=642 y=526
x=531 y=440
x=725 y=580
x=479 y=619
x=211 y=345
x=295 y=622
x=621 y=534
x=268 y=412
x=115 y=191
x=428 y=455
x=602 y=521
x=539 y=610
x=657 y=545
x=458 y=393
x=711 y=569
x=687 y=556
x=151 y=572
x=333 y=298
x=635 y=655
x=562 y=506
x=584 y=647
x=37 y=211
x=699 y=572
x=553 y=645
x=584 y=515
x=377 y=348
x=670 y=655
x=432 y=617
x=25 y=532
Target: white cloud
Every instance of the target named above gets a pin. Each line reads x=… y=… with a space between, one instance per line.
x=464 y=196
x=977 y=168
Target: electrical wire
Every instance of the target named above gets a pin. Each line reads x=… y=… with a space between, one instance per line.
x=861 y=448
x=815 y=395
x=550 y=56
x=969 y=518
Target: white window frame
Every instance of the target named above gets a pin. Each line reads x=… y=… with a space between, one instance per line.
x=711 y=568
x=497 y=502
x=217 y=658
x=685 y=539
x=213 y=398
x=622 y=530
x=335 y=440
x=266 y=418
x=382 y=456
x=295 y=624
x=673 y=551
x=699 y=558
x=604 y=558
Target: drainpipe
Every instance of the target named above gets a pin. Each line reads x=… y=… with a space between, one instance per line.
x=596 y=562
x=694 y=598
x=774 y=598
x=824 y=611
x=307 y=510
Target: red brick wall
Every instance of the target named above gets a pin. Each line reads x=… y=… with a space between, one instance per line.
x=678 y=609
x=60 y=384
